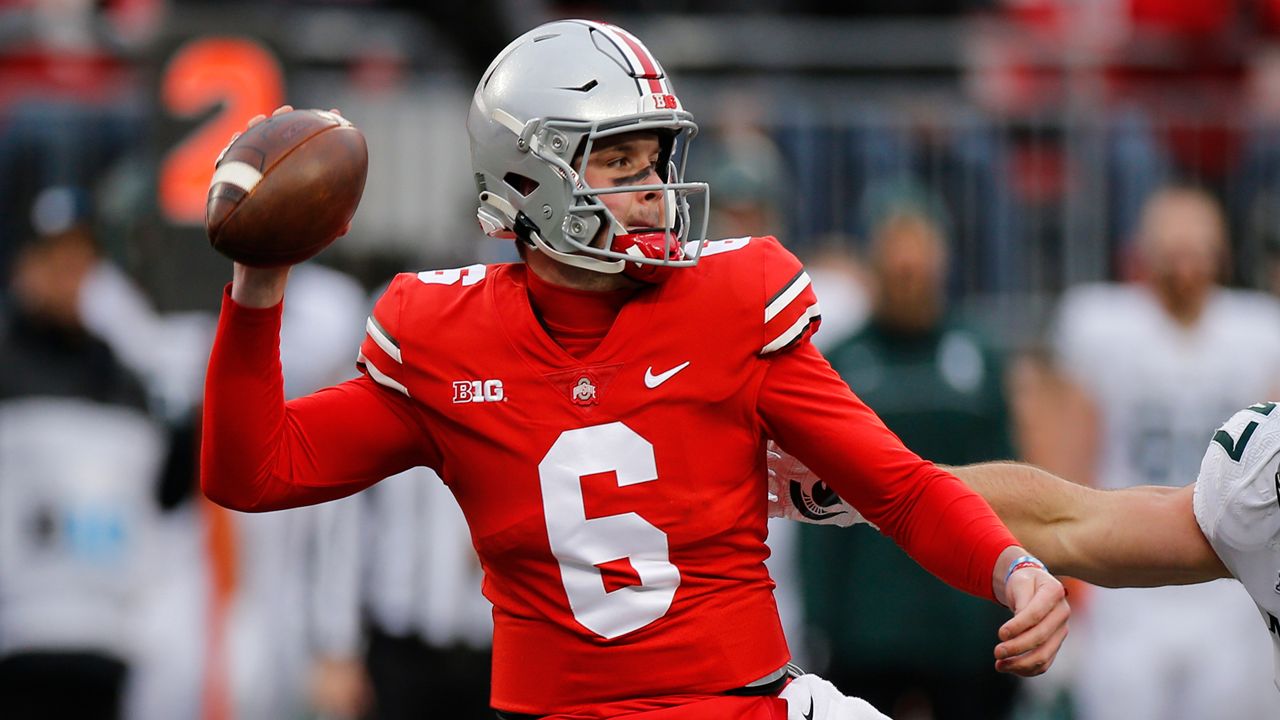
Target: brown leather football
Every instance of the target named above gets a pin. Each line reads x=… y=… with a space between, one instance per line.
x=286 y=188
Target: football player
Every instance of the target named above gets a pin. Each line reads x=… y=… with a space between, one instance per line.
x=1226 y=524
x=600 y=410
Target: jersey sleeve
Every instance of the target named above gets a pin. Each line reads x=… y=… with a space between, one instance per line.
x=791 y=312
x=1235 y=501
x=946 y=527
x=259 y=453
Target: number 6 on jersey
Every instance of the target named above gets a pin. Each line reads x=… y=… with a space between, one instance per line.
x=581 y=544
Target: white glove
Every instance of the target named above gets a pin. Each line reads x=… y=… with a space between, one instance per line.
x=795 y=493
x=809 y=697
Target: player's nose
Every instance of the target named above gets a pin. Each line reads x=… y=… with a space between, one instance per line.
x=653 y=178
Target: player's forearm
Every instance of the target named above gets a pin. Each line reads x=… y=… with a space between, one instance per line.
x=243 y=407
x=1137 y=537
x=259 y=453
x=942 y=524
x=1033 y=504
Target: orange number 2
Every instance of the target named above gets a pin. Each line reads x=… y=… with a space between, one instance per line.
x=238 y=75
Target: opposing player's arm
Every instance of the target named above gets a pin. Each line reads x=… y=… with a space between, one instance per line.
x=1135 y=537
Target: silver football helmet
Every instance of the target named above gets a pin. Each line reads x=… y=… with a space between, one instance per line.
x=539 y=108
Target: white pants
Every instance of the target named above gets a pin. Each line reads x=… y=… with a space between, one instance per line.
x=1179 y=653
x=809 y=697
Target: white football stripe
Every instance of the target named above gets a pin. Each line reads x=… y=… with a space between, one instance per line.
x=792 y=332
x=609 y=32
x=380 y=377
x=796 y=287
x=382 y=340
x=241 y=174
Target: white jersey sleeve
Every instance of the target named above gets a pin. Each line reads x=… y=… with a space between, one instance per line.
x=1237 y=505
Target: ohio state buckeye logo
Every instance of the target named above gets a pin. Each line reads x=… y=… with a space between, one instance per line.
x=583 y=391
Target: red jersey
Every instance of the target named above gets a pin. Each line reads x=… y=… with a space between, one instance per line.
x=617 y=502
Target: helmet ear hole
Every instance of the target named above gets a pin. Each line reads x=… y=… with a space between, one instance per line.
x=520 y=183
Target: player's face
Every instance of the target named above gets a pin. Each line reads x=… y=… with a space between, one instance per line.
x=1183 y=246
x=628 y=159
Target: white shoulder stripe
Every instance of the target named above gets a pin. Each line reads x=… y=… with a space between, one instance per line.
x=241 y=174
x=784 y=298
x=380 y=377
x=714 y=247
x=381 y=339
x=790 y=334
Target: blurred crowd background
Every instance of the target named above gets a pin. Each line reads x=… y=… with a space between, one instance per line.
x=1039 y=229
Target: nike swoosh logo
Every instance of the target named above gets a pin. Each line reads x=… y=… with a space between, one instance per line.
x=809 y=715
x=652 y=381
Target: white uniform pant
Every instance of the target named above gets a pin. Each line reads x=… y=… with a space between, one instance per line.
x=1177 y=653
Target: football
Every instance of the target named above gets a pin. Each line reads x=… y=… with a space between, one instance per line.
x=286 y=188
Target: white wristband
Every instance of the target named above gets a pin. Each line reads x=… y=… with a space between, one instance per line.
x=1022 y=562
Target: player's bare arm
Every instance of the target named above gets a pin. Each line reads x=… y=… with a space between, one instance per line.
x=1135 y=537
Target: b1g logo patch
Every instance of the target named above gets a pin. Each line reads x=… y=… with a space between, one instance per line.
x=666 y=102
x=583 y=391
x=659 y=101
x=478 y=391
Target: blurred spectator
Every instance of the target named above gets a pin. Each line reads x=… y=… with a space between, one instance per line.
x=897 y=636
x=429 y=628
x=747 y=172
x=840 y=281
x=1159 y=364
x=79 y=463
x=247 y=619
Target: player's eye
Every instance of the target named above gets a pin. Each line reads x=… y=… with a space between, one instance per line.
x=636 y=177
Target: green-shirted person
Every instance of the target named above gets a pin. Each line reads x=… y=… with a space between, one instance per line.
x=896 y=635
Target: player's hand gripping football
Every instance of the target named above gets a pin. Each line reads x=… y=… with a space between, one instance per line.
x=281 y=193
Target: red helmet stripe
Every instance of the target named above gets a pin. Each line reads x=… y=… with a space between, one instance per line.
x=642 y=62
x=652 y=72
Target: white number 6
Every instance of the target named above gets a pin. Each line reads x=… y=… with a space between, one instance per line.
x=580 y=544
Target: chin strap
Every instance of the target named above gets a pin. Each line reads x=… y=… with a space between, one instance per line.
x=586 y=262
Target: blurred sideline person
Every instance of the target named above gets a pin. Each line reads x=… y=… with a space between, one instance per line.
x=80 y=462
x=251 y=617
x=1224 y=525
x=1160 y=363
x=842 y=281
x=587 y=410
x=427 y=623
x=938 y=384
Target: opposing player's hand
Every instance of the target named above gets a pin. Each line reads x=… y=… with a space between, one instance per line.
x=795 y=493
x=1030 y=640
